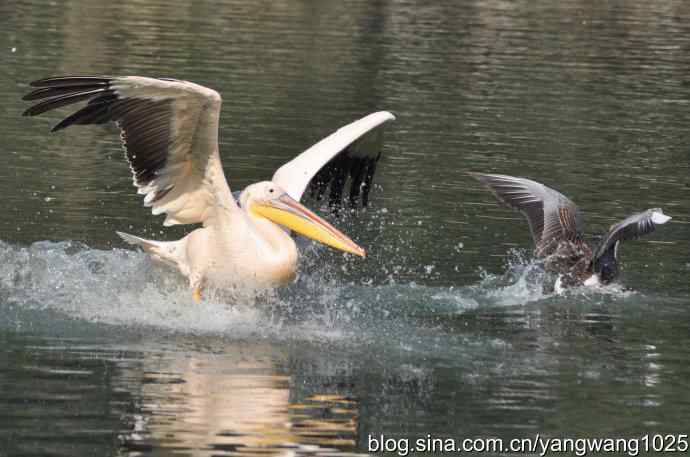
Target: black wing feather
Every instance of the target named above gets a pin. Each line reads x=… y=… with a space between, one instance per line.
x=356 y=163
x=67 y=81
x=145 y=124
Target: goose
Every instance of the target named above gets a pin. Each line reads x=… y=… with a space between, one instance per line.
x=557 y=228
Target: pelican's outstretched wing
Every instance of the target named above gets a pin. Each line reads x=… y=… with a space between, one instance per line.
x=169 y=129
x=630 y=228
x=352 y=151
x=551 y=215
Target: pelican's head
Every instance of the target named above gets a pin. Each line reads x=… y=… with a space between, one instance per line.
x=270 y=201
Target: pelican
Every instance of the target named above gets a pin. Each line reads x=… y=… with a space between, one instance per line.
x=169 y=130
x=557 y=228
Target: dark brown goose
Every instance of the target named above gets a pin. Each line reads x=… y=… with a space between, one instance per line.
x=558 y=229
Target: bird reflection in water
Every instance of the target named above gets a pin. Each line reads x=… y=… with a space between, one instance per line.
x=237 y=403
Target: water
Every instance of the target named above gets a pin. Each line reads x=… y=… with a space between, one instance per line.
x=448 y=327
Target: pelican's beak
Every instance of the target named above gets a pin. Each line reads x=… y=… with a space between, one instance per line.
x=288 y=212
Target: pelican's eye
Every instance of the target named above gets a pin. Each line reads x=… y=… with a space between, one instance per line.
x=270 y=190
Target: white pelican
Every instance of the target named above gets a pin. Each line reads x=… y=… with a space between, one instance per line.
x=169 y=129
x=558 y=229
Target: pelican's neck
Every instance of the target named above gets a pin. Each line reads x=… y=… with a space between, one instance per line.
x=270 y=237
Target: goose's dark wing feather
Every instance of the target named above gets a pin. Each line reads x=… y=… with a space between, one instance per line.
x=551 y=215
x=630 y=228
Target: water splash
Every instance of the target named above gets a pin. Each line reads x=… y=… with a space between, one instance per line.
x=523 y=282
x=125 y=288
x=526 y=282
x=117 y=287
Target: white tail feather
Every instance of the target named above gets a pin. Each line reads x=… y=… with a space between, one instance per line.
x=169 y=252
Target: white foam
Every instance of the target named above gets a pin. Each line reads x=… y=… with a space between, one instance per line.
x=521 y=284
x=64 y=282
x=592 y=281
x=124 y=288
x=118 y=287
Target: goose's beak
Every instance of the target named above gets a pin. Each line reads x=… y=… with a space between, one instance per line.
x=288 y=212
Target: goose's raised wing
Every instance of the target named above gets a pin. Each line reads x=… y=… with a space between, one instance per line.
x=551 y=215
x=169 y=129
x=630 y=228
x=352 y=151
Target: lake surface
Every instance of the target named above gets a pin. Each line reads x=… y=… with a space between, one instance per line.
x=446 y=328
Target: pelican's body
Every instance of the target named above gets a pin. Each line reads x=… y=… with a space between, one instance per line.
x=252 y=252
x=557 y=228
x=170 y=133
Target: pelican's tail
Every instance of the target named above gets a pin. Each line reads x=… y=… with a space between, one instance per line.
x=169 y=252
x=147 y=245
